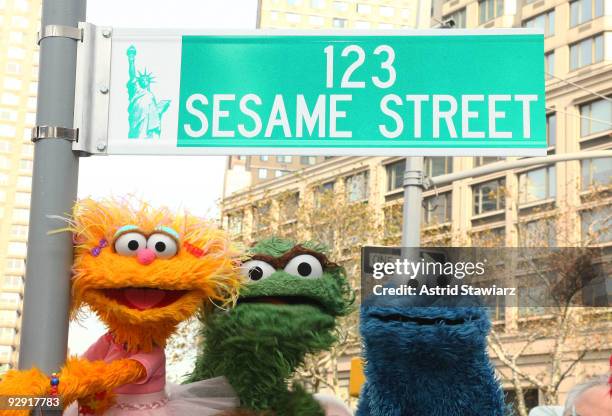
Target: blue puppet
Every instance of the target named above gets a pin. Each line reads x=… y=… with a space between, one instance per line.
x=427 y=361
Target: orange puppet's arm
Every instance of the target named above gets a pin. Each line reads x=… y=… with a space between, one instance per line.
x=80 y=379
x=32 y=383
x=83 y=379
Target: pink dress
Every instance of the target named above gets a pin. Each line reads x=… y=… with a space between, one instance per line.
x=150 y=396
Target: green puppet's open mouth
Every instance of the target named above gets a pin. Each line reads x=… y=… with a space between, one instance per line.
x=282 y=300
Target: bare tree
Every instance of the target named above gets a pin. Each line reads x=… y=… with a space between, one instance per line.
x=571 y=331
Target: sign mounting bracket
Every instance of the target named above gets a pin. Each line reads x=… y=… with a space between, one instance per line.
x=92 y=91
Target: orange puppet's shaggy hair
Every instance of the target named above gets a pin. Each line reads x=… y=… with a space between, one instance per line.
x=204 y=271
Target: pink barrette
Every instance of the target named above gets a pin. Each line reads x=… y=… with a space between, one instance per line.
x=195 y=251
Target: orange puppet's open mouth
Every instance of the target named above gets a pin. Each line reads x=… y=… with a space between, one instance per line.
x=143 y=298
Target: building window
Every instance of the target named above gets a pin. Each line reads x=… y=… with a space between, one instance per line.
x=489 y=196
x=22 y=198
x=485 y=160
x=537 y=185
x=234 y=222
x=261 y=216
x=21 y=214
x=316 y=20
x=582 y=11
x=17 y=248
x=458 y=17
x=395 y=174
x=16 y=53
x=551 y=129
x=279 y=172
x=364 y=8
x=15 y=282
x=26 y=164
x=289 y=208
x=544 y=21
x=8 y=318
x=264 y=158
x=5 y=162
x=586 y=52
x=262 y=173
x=7 y=333
x=386 y=11
x=596 y=172
x=293 y=18
x=283 y=159
x=435 y=166
x=308 y=160
x=494 y=237
x=490 y=9
x=339 y=23
x=437 y=209
x=317 y=4
x=340 y=6
x=322 y=193
x=294 y=2
x=357 y=187
x=11 y=298
x=595 y=117
x=19 y=231
x=596 y=225
x=13 y=68
x=549 y=64
x=8 y=131
x=15 y=264
x=539 y=233
x=12 y=83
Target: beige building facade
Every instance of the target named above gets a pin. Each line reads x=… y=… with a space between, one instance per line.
x=561 y=204
x=19 y=23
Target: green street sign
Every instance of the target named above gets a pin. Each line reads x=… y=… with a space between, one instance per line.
x=426 y=92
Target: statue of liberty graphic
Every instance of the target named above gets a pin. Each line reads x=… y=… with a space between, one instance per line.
x=144 y=111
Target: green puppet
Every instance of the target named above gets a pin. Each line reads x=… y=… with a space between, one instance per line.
x=287 y=309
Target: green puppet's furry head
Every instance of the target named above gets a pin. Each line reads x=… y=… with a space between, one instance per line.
x=286 y=310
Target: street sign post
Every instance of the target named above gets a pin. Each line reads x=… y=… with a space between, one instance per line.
x=426 y=92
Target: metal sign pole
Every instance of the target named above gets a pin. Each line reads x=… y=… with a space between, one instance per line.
x=44 y=331
x=413 y=189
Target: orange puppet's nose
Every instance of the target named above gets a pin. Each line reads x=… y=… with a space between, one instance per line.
x=145 y=256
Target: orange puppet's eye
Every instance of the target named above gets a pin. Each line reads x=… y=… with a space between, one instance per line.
x=129 y=244
x=163 y=245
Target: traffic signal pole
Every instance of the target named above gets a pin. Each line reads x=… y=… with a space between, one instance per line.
x=415 y=182
x=44 y=330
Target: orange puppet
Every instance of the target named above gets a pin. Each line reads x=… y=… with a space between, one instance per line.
x=143 y=271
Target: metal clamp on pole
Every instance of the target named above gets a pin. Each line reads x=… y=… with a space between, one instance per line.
x=54 y=132
x=60 y=31
x=414 y=178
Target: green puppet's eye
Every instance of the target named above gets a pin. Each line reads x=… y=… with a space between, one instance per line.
x=305 y=265
x=255 y=270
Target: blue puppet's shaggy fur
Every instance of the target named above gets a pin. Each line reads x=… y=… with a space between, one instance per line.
x=427 y=361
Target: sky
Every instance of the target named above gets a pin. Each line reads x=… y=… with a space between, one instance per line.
x=192 y=182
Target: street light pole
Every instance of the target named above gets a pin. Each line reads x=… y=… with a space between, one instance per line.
x=44 y=331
